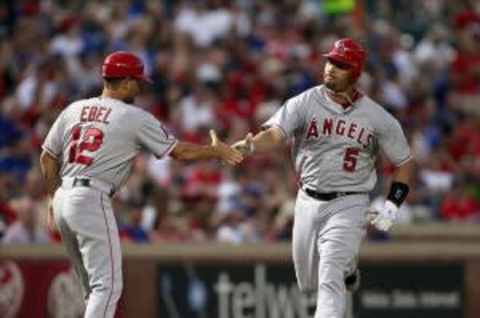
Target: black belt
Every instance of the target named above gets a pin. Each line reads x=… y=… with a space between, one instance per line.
x=327 y=196
x=84 y=182
x=80 y=182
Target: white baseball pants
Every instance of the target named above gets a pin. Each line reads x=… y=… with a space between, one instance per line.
x=326 y=242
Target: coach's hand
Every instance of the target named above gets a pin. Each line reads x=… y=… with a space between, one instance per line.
x=224 y=151
x=51 y=225
x=384 y=219
x=245 y=146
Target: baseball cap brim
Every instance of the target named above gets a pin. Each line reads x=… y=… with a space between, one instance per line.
x=338 y=60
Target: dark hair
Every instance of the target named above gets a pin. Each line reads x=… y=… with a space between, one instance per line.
x=113 y=82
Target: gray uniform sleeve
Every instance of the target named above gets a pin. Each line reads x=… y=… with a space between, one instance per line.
x=154 y=137
x=287 y=118
x=393 y=143
x=53 y=143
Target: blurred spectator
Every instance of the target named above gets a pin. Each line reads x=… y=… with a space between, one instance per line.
x=465 y=68
x=27 y=228
x=434 y=53
x=204 y=22
x=235 y=228
x=283 y=224
x=133 y=230
x=460 y=205
x=7 y=213
x=196 y=111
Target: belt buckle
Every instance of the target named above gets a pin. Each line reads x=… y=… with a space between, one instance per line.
x=341 y=194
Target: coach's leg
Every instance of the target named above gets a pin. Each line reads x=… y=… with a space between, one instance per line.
x=69 y=240
x=304 y=241
x=91 y=218
x=338 y=244
x=103 y=261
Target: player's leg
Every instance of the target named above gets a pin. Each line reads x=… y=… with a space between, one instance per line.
x=339 y=243
x=304 y=241
x=93 y=221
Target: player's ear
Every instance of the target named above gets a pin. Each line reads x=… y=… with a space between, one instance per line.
x=134 y=84
x=126 y=84
x=351 y=78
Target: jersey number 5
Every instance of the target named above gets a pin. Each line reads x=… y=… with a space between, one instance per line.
x=91 y=141
x=350 y=159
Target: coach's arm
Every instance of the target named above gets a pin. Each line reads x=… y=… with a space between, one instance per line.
x=50 y=167
x=217 y=150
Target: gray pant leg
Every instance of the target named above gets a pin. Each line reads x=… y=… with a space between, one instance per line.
x=90 y=216
x=71 y=245
x=338 y=243
x=304 y=241
x=102 y=259
x=70 y=242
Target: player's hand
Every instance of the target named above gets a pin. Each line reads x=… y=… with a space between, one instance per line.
x=245 y=146
x=383 y=219
x=225 y=152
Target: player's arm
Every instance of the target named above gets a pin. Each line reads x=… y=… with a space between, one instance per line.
x=394 y=144
x=385 y=217
x=404 y=172
x=217 y=150
x=281 y=126
x=399 y=187
x=264 y=141
x=50 y=167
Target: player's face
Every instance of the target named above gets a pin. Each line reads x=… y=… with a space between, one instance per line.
x=337 y=76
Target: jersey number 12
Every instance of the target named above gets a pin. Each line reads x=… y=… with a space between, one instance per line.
x=91 y=140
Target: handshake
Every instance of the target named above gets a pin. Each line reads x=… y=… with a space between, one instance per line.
x=235 y=153
x=245 y=146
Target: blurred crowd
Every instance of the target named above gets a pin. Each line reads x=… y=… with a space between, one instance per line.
x=229 y=65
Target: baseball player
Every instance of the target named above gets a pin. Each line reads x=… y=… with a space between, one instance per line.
x=87 y=156
x=337 y=133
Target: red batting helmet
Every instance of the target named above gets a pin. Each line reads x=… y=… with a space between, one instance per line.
x=123 y=64
x=349 y=52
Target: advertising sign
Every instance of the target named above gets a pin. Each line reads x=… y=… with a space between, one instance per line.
x=411 y=290
x=41 y=289
x=237 y=291
x=270 y=291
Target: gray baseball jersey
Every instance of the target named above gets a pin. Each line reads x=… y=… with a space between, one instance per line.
x=335 y=149
x=99 y=138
